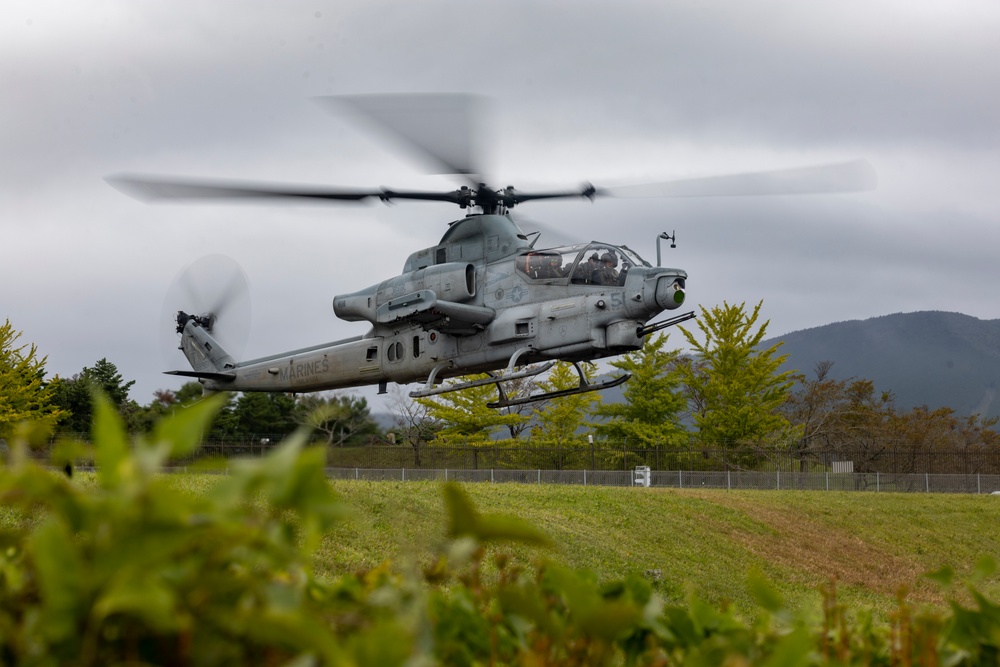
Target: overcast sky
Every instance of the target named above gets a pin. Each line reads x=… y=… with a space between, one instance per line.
x=611 y=93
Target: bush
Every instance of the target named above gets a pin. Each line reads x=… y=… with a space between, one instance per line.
x=132 y=566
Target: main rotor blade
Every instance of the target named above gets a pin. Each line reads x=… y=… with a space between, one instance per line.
x=445 y=129
x=167 y=189
x=853 y=176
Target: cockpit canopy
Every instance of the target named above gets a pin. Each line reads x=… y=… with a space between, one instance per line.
x=581 y=264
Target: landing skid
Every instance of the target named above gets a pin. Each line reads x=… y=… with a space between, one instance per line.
x=582 y=388
x=509 y=374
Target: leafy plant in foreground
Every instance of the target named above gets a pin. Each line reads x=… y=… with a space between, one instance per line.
x=137 y=567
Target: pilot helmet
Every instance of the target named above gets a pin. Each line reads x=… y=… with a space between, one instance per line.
x=594 y=258
x=608 y=257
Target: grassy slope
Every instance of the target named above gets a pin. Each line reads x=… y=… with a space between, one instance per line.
x=705 y=541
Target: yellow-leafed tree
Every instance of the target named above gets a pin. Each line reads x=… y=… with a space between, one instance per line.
x=24 y=394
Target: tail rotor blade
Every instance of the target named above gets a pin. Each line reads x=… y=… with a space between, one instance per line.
x=212 y=285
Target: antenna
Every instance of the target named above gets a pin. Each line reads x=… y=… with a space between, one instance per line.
x=667 y=237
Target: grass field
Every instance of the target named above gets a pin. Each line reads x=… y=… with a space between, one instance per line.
x=701 y=541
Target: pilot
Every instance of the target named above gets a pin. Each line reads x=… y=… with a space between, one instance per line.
x=551 y=267
x=585 y=271
x=607 y=274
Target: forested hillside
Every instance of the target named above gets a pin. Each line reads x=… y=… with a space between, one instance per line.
x=928 y=358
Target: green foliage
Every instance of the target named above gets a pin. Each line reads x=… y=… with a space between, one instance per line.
x=650 y=415
x=74 y=395
x=735 y=389
x=24 y=395
x=344 y=419
x=264 y=413
x=558 y=421
x=133 y=567
x=464 y=415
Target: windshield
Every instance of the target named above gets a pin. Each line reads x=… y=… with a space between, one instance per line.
x=582 y=264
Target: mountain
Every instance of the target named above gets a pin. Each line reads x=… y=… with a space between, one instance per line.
x=927 y=358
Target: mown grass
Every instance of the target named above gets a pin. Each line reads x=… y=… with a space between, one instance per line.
x=701 y=541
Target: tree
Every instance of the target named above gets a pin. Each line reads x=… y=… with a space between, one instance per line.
x=817 y=406
x=559 y=420
x=75 y=396
x=520 y=387
x=344 y=419
x=852 y=421
x=464 y=414
x=263 y=413
x=654 y=400
x=414 y=425
x=104 y=375
x=24 y=394
x=734 y=388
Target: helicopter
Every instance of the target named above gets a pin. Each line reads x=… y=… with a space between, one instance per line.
x=483 y=301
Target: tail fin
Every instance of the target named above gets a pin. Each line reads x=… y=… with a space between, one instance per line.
x=208 y=359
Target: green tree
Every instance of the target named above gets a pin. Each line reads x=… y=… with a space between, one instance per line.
x=167 y=402
x=343 y=419
x=559 y=420
x=264 y=413
x=735 y=389
x=75 y=396
x=24 y=394
x=650 y=416
x=464 y=414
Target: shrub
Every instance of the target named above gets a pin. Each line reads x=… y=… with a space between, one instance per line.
x=133 y=566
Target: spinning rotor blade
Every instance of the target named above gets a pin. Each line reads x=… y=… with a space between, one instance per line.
x=150 y=189
x=853 y=176
x=212 y=285
x=445 y=129
x=167 y=189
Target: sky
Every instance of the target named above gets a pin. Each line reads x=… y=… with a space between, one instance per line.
x=610 y=93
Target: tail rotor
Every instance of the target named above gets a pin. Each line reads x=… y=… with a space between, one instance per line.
x=215 y=293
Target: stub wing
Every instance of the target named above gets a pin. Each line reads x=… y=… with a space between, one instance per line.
x=424 y=307
x=206 y=375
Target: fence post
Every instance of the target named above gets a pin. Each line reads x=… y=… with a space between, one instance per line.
x=403 y=470
x=680 y=479
x=355 y=474
x=778 y=479
x=539 y=475
x=927 y=482
x=877 y=485
x=827 y=480
x=446 y=474
x=585 y=477
x=729 y=483
x=491 y=476
x=979 y=488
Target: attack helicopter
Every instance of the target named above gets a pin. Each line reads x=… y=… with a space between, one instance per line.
x=483 y=300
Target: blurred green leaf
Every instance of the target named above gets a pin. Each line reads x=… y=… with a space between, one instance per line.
x=985 y=567
x=465 y=520
x=763 y=592
x=61 y=579
x=143 y=597
x=111 y=442
x=796 y=649
x=186 y=427
x=944 y=576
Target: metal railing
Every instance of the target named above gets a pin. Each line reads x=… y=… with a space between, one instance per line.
x=513 y=456
x=680 y=479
